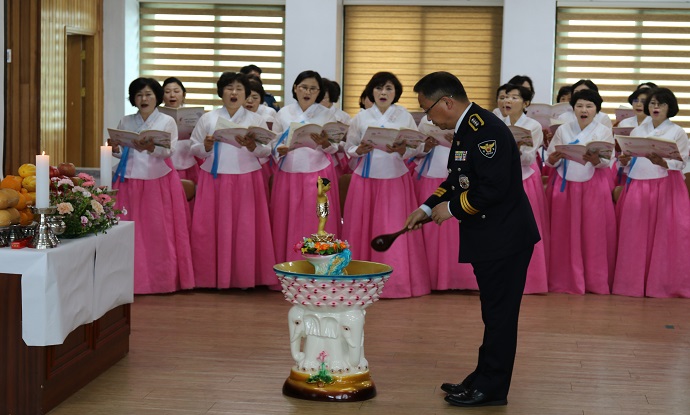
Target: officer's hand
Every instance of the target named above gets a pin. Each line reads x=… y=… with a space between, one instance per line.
x=415 y=217
x=440 y=213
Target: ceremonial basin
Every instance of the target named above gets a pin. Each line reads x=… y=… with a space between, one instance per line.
x=326 y=325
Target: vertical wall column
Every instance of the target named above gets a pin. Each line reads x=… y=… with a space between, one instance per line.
x=313 y=40
x=529 y=35
x=120 y=58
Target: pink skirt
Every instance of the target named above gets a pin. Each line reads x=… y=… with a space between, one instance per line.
x=537 y=272
x=442 y=244
x=231 y=232
x=653 y=238
x=162 y=253
x=583 y=234
x=380 y=206
x=293 y=210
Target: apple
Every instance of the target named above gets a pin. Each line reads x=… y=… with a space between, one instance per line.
x=67 y=169
x=53 y=171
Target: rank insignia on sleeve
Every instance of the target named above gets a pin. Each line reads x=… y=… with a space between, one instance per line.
x=487 y=148
x=460 y=155
x=475 y=121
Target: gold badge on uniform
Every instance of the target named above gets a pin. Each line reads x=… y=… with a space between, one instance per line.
x=487 y=148
x=464 y=181
x=460 y=155
x=475 y=121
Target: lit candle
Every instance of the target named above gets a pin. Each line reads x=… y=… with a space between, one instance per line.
x=106 y=165
x=42 y=181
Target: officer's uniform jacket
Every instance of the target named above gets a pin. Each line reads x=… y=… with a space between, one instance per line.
x=484 y=190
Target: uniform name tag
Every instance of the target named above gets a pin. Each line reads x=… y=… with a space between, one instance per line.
x=460 y=155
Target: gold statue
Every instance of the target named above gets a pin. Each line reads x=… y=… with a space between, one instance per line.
x=323 y=185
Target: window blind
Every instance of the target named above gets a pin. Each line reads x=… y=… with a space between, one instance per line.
x=198 y=42
x=412 y=41
x=620 y=48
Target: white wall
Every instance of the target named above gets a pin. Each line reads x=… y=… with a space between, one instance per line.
x=120 y=58
x=313 y=40
x=528 y=45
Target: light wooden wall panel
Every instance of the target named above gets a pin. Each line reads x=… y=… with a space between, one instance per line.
x=35 y=91
x=58 y=18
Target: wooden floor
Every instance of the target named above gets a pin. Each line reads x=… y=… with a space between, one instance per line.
x=227 y=352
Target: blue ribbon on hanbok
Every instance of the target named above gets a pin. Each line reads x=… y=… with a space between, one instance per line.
x=216 y=157
x=619 y=175
x=122 y=166
x=628 y=179
x=367 y=165
x=426 y=164
x=565 y=168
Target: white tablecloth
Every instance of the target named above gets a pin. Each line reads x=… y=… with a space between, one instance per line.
x=73 y=284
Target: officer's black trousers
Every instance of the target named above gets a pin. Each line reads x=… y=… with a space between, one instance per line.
x=501 y=283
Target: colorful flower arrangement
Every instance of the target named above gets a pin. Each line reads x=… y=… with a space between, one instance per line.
x=86 y=208
x=309 y=246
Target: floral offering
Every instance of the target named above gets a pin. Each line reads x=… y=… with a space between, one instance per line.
x=308 y=246
x=86 y=207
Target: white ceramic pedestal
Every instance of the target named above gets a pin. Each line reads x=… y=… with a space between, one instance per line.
x=326 y=325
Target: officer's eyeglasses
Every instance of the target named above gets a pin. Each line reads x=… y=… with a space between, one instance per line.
x=437 y=101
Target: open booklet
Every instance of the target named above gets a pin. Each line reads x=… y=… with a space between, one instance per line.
x=186 y=119
x=623 y=113
x=523 y=136
x=444 y=137
x=381 y=137
x=625 y=131
x=642 y=146
x=300 y=134
x=546 y=114
x=127 y=138
x=576 y=152
x=227 y=132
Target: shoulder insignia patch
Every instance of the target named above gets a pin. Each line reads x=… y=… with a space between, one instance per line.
x=475 y=121
x=487 y=148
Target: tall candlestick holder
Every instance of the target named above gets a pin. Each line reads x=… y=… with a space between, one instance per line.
x=44 y=237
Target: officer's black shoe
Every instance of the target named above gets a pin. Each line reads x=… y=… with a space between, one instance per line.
x=454 y=388
x=473 y=398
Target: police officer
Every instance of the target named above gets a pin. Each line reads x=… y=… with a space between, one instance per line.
x=484 y=193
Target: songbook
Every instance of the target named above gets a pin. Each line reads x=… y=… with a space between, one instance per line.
x=523 y=136
x=544 y=113
x=555 y=123
x=443 y=137
x=576 y=152
x=227 y=132
x=381 y=137
x=624 y=131
x=186 y=119
x=623 y=113
x=127 y=138
x=642 y=146
x=300 y=134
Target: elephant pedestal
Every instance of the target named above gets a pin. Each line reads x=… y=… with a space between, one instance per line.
x=326 y=325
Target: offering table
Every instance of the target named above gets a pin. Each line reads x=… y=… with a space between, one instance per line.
x=64 y=316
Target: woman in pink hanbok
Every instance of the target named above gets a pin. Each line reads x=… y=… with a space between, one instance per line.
x=294 y=189
x=583 y=222
x=381 y=192
x=441 y=242
x=516 y=100
x=150 y=190
x=231 y=228
x=186 y=165
x=654 y=211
